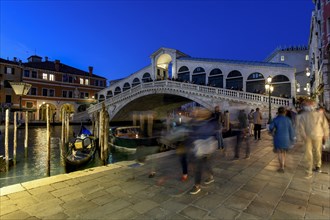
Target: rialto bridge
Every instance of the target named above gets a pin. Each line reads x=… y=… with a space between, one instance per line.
x=174 y=78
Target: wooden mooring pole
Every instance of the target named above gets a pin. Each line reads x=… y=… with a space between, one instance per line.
x=6 y=139
x=15 y=138
x=48 y=140
x=26 y=133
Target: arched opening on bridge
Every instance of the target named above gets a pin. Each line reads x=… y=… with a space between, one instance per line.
x=184 y=74
x=255 y=83
x=146 y=77
x=163 y=64
x=234 y=80
x=117 y=90
x=109 y=94
x=136 y=82
x=199 y=76
x=43 y=109
x=83 y=107
x=282 y=86
x=101 y=98
x=216 y=78
x=126 y=86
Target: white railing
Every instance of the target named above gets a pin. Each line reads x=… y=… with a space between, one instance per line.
x=193 y=89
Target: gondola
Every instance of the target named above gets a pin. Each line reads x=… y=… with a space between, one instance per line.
x=82 y=149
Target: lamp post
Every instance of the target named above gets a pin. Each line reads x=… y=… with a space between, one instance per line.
x=269 y=89
x=20 y=89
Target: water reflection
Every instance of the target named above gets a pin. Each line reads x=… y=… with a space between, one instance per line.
x=35 y=165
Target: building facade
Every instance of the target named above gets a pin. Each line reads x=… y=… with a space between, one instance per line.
x=297 y=57
x=52 y=83
x=319 y=40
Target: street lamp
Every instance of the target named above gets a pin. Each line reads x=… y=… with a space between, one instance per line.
x=20 y=89
x=270 y=89
x=308 y=73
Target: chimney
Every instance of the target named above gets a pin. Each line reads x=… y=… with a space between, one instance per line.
x=15 y=59
x=90 y=69
x=57 y=65
x=46 y=59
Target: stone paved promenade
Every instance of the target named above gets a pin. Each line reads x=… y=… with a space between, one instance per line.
x=245 y=189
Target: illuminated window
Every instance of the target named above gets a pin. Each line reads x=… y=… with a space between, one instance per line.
x=81 y=81
x=307 y=57
x=282 y=58
x=44 y=76
x=51 y=77
x=9 y=70
x=86 y=82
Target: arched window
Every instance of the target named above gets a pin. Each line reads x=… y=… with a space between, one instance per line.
x=255 y=75
x=126 y=86
x=101 y=98
x=280 y=78
x=183 y=69
x=234 y=80
x=146 y=77
x=215 y=71
x=109 y=94
x=199 y=70
x=282 y=86
x=117 y=90
x=216 y=78
x=255 y=83
x=199 y=76
x=184 y=74
x=136 y=82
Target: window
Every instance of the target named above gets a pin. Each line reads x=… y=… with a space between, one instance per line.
x=70 y=79
x=82 y=95
x=86 y=82
x=65 y=78
x=29 y=104
x=26 y=73
x=96 y=82
x=44 y=92
x=9 y=70
x=282 y=58
x=81 y=81
x=51 y=92
x=51 y=77
x=34 y=74
x=8 y=98
x=86 y=95
x=64 y=93
x=328 y=25
x=44 y=76
x=70 y=94
x=307 y=57
x=33 y=91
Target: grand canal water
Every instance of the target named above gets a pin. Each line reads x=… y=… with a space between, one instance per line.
x=34 y=166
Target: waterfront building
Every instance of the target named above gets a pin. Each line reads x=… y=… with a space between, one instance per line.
x=319 y=52
x=297 y=57
x=52 y=83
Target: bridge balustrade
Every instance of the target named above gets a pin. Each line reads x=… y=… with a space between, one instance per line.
x=200 y=90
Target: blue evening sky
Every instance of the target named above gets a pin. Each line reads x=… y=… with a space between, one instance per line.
x=117 y=37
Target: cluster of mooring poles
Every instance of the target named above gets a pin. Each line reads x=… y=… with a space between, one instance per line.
x=15 y=138
x=100 y=126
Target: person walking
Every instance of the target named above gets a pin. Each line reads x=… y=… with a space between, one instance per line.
x=312 y=128
x=203 y=139
x=282 y=129
x=242 y=136
x=251 y=123
x=257 y=120
x=220 y=119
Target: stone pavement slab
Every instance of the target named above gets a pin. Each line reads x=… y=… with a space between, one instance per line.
x=245 y=189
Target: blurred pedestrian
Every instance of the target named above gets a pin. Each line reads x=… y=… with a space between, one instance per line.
x=251 y=123
x=257 y=120
x=220 y=119
x=283 y=133
x=312 y=128
x=242 y=136
x=203 y=138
